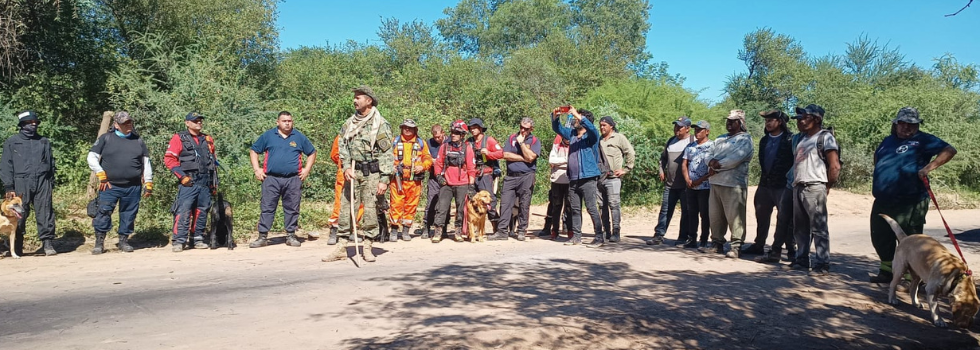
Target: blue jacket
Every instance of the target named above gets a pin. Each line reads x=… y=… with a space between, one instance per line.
x=584 y=148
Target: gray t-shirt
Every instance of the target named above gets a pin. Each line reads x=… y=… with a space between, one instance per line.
x=807 y=164
x=675 y=152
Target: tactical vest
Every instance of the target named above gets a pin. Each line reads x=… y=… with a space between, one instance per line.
x=196 y=157
x=481 y=159
x=454 y=156
x=417 y=148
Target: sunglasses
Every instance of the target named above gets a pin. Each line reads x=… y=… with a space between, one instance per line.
x=196 y=121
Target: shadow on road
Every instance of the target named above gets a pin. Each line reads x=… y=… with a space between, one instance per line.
x=562 y=303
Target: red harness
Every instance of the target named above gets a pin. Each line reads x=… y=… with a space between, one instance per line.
x=925 y=180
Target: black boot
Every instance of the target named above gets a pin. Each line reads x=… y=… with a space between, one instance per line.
x=99 y=242
x=291 y=240
x=547 y=227
x=262 y=241
x=123 y=244
x=882 y=277
x=49 y=248
x=333 y=236
x=615 y=236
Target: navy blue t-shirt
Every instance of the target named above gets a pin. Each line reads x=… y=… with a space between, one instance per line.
x=897 y=165
x=522 y=167
x=283 y=156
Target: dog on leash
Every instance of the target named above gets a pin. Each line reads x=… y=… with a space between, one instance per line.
x=944 y=274
x=221 y=231
x=476 y=216
x=12 y=211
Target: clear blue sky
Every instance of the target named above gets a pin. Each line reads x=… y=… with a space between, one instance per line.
x=698 y=39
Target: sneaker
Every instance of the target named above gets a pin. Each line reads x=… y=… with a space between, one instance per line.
x=679 y=242
x=574 y=241
x=732 y=254
x=596 y=243
x=312 y=235
x=177 y=247
x=656 y=240
x=200 y=245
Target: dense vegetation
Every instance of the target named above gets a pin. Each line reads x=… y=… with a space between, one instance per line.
x=496 y=59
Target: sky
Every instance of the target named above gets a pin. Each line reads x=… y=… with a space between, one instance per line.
x=698 y=39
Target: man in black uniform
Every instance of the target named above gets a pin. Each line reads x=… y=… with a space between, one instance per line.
x=190 y=157
x=27 y=170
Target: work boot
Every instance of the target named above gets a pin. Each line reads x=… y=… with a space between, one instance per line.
x=333 y=236
x=406 y=236
x=49 y=248
x=656 y=240
x=458 y=234
x=262 y=241
x=615 y=236
x=554 y=235
x=177 y=247
x=882 y=277
x=755 y=249
x=547 y=227
x=338 y=253
x=200 y=245
x=771 y=257
x=733 y=253
x=691 y=244
x=790 y=254
x=123 y=245
x=368 y=253
x=436 y=236
x=99 y=242
x=719 y=248
x=498 y=236
x=291 y=240
x=393 y=233
x=596 y=242
x=424 y=233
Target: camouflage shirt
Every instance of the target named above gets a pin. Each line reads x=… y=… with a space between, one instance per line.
x=361 y=148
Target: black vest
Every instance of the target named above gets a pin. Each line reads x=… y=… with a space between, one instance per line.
x=195 y=157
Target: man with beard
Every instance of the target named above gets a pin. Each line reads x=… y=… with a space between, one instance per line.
x=27 y=170
x=775 y=160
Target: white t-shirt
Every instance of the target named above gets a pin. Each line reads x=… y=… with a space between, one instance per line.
x=807 y=165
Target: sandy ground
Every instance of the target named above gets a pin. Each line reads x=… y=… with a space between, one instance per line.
x=495 y=295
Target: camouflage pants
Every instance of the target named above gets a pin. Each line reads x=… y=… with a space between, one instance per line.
x=364 y=194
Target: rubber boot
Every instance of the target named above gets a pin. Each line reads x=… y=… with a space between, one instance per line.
x=368 y=252
x=262 y=241
x=406 y=236
x=291 y=240
x=393 y=233
x=123 y=244
x=333 y=236
x=615 y=236
x=49 y=248
x=339 y=252
x=99 y=243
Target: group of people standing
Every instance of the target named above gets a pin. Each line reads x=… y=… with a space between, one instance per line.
x=710 y=178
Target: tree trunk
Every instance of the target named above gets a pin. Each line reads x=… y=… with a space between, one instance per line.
x=93 y=181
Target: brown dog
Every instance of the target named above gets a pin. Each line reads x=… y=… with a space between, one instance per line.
x=943 y=273
x=476 y=216
x=12 y=210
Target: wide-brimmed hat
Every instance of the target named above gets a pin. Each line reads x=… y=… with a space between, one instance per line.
x=366 y=90
x=476 y=122
x=774 y=114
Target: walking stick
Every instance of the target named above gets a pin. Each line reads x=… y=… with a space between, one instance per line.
x=353 y=215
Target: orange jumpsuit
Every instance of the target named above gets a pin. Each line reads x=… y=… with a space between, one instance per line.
x=338 y=186
x=405 y=203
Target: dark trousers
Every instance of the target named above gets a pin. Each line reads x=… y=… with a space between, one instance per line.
x=697 y=203
x=432 y=202
x=609 y=200
x=191 y=212
x=128 y=199
x=584 y=190
x=517 y=188
x=485 y=183
x=766 y=198
x=446 y=196
x=558 y=207
x=36 y=193
x=784 y=224
x=810 y=223
x=670 y=199
x=911 y=216
x=289 y=189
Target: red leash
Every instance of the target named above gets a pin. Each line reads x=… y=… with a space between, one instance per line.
x=925 y=180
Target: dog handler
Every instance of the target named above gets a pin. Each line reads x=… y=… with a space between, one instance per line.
x=901 y=161
x=27 y=170
x=190 y=157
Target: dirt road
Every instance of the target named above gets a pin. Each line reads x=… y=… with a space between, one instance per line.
x=495 y=295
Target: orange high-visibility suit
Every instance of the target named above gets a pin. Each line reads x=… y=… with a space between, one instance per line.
x=404 y=204
x=338 y=186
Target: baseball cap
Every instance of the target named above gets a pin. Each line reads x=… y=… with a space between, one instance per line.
x=810 y=109
x=701 y=124
x=774 y=114
x=683 y=121
x=192 y=116
x=908 y=115
x=121 y=117
x=26 y=116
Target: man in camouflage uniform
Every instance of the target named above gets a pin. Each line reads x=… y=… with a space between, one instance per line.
x=365 y=140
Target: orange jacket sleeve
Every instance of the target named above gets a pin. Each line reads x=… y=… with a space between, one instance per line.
x=335 y=151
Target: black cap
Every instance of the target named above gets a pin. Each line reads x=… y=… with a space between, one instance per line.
x=192 y=116
x=27 y=116
x=774 y=114
x=477 y=122
x=810 y=109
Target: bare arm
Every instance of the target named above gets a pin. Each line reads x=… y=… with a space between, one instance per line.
x=942 y=158
x=833 y=168
x=529 y=155
x=512 y=157
x=254 y=157
x=310 y=159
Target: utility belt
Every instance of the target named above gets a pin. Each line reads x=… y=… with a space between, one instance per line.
x=367 y=168
x=281 y=175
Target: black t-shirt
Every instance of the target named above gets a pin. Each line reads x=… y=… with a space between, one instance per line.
x=122 y=158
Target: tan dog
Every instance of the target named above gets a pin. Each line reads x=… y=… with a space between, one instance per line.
x=12 y=210
x=476 y=216
x=943 y=273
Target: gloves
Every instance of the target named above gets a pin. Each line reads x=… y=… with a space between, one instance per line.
x=441 y=179
x=103 y=181
x=186 y=181
x=147 y=189
x=10 y=195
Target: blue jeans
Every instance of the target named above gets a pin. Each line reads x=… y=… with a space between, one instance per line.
x=671 y=196
x=129 y=204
